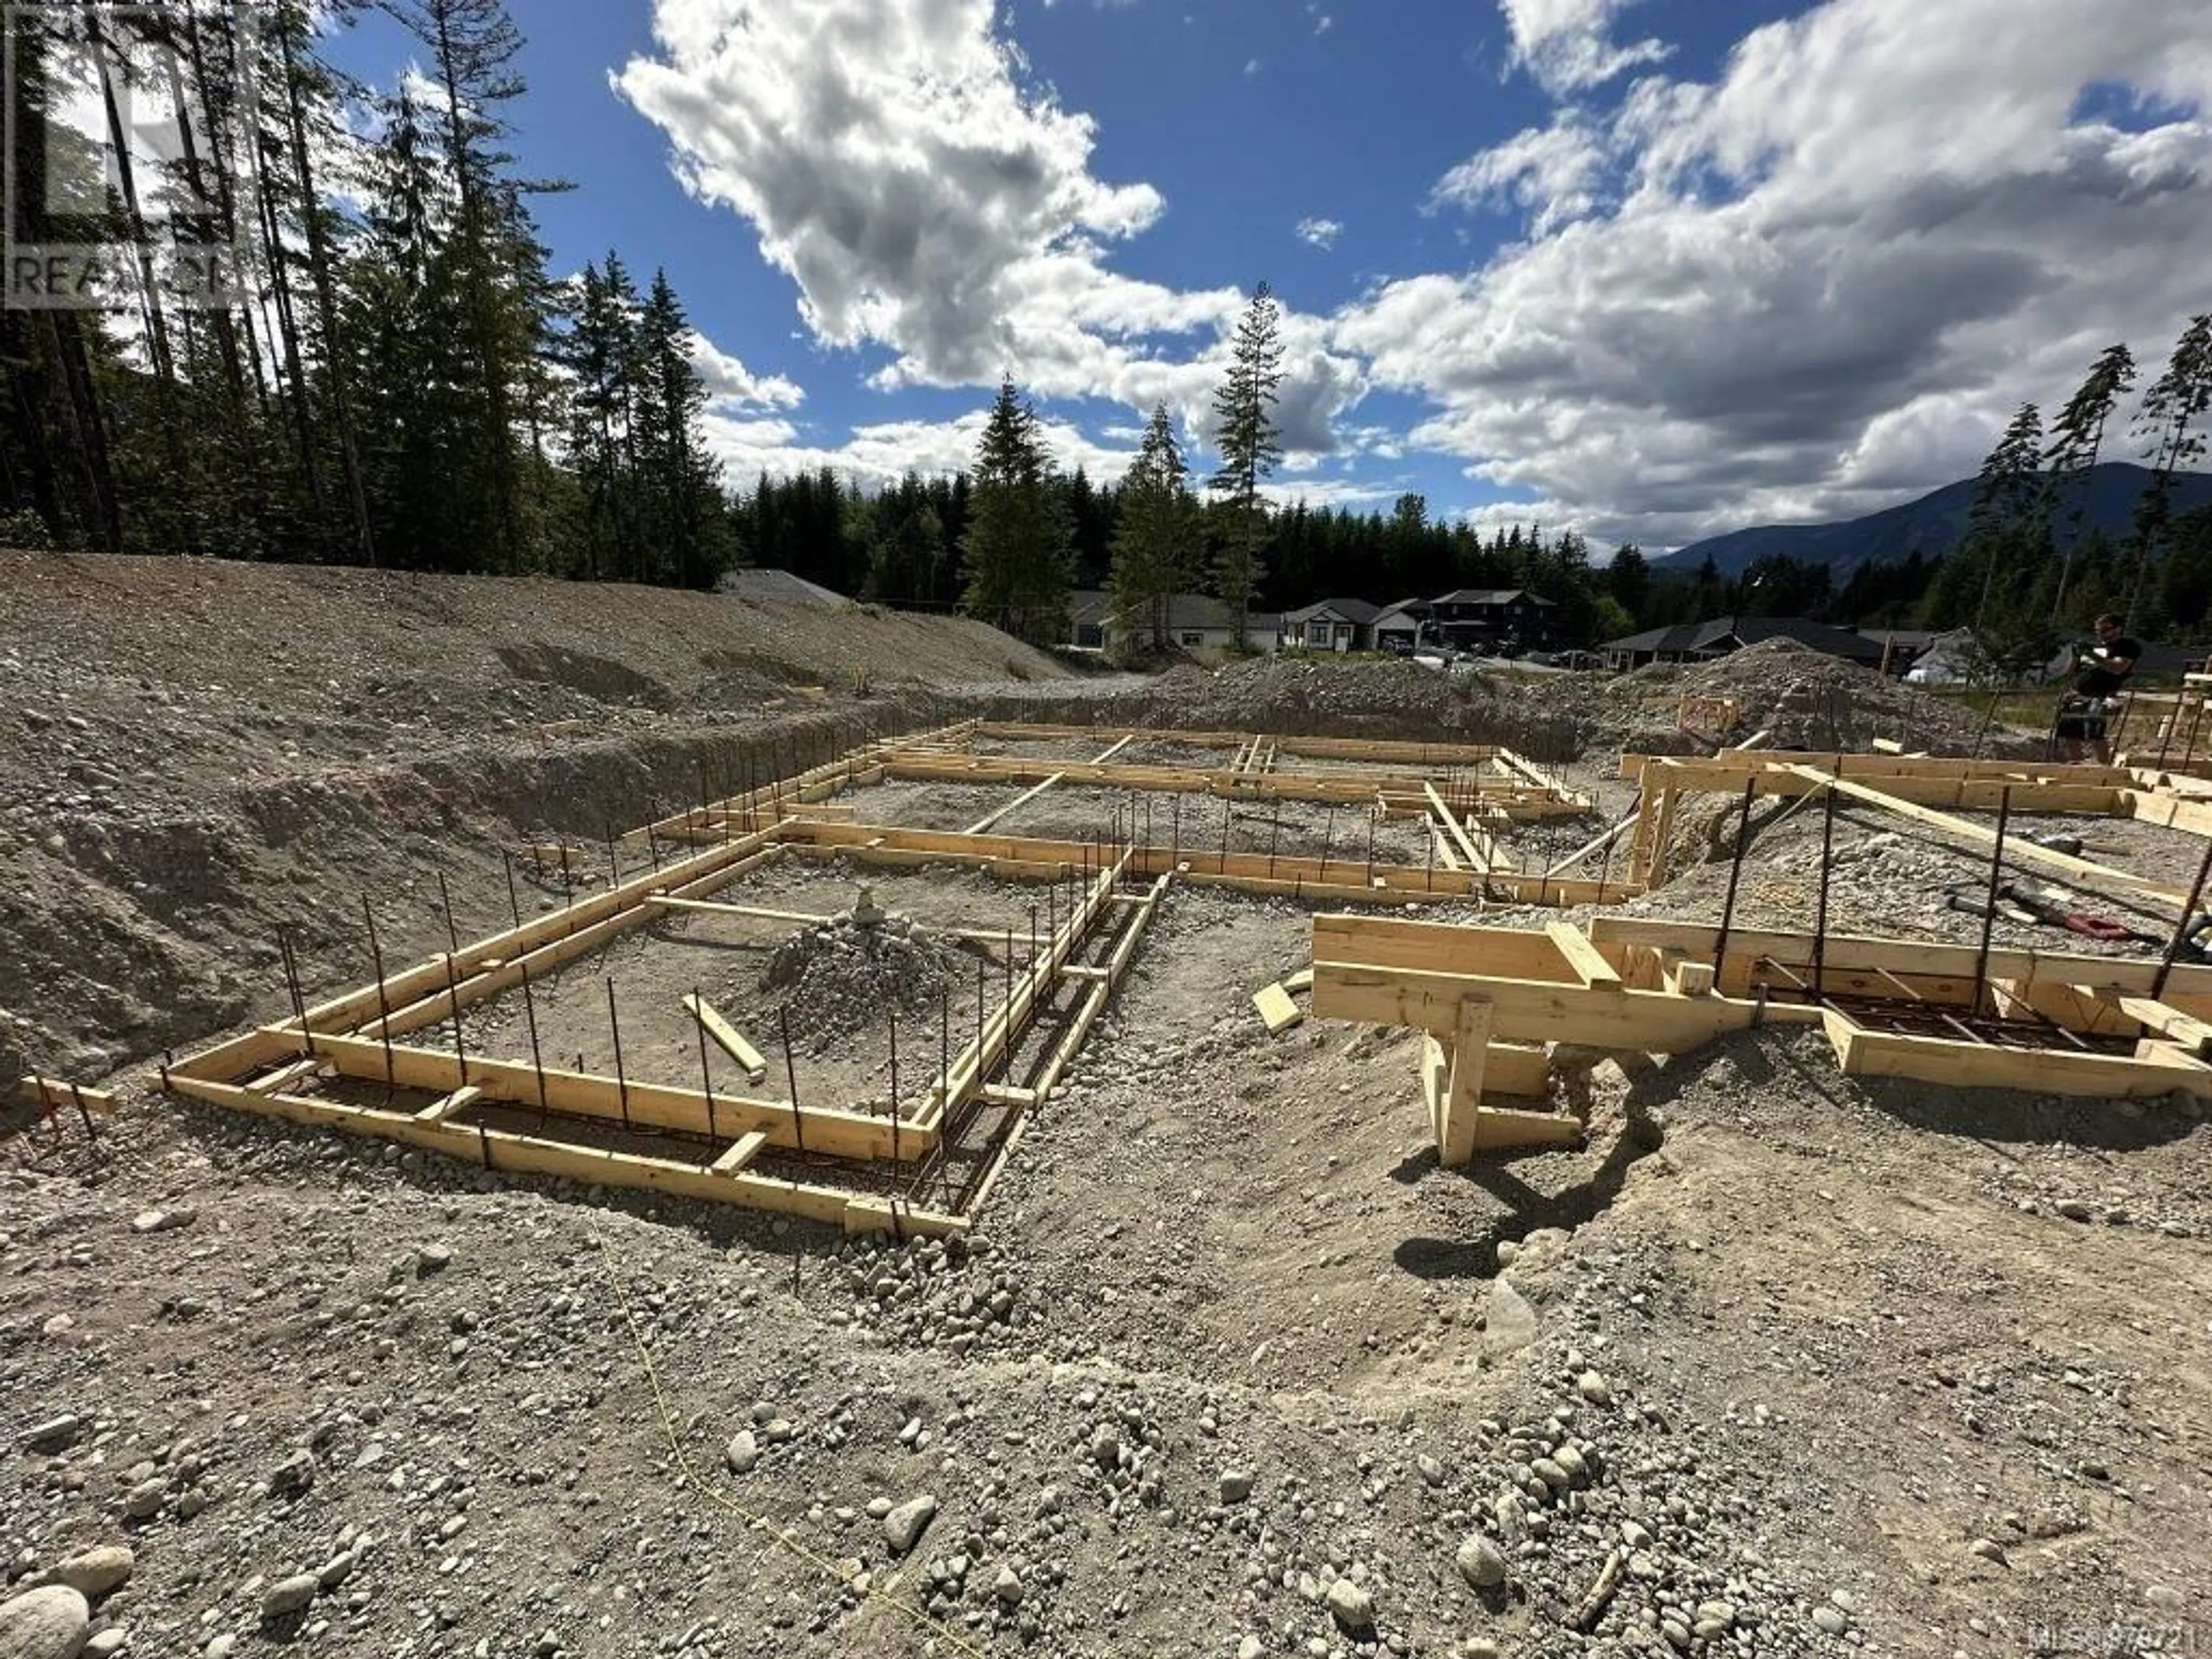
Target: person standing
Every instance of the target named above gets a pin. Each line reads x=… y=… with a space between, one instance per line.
x=2105 y=669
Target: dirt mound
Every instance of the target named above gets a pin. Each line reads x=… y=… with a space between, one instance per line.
x=841 y=974
x=1299 y=696
x=1803 y=699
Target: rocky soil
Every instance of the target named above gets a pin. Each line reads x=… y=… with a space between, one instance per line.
x=1780 y=1363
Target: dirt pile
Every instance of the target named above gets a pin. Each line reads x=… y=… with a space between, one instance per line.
x=1806 y=699
x=842 y=974
x=1301 y=696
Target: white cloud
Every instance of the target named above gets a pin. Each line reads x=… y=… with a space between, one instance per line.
x=731 y=385
x=1321 y=233
x=1822 y=280
x=883 y=453
x=900 y=163
x=1567 y=44
x=1555 y=174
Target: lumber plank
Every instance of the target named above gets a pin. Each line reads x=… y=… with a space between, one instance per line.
x=584 y=1094
x=448 y=1106
x=49 y=1093
x=1647 y=1022
x=1470 y=1056
x=1584 y=958
x=1019 y=801
x=1276 y=1007
x=1474 y=859
x=742 y=1151
x=1502 y=1128
x=1300 y=981
x=727 y=1038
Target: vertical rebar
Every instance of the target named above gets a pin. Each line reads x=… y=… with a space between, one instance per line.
x=1373 y=812
x=536 y=1062
x=944 y=1043
x=567 y=881
x=1989 y=909
x=652 y=844
x=1275 y=834
x=1735 y=873
x=894 y=1105
x=446 y=899
x=1175 y=832
x=1006 y=1029
x=622 y=1081
x=514 y=900
x=1224 y=835
x=460 y=1052
x=983 y=992
x=613 y=863
x=791 y=1078
x=76 y=1094
x=2181 y=927
x=383 y=999
x=292 y=985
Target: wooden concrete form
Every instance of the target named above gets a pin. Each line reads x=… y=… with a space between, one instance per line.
x=1950 y=1015
x=324 y=1065
x=1930 y=790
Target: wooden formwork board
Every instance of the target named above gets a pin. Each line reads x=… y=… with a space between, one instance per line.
x=1348 y=879
x=1667 y=987
x=1382 y=751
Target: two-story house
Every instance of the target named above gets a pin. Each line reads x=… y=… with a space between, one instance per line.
x=1508 y=618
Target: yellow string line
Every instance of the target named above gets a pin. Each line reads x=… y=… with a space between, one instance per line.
x=715 y=1494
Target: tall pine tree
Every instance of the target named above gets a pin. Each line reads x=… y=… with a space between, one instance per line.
x=1154 y=545
x=1017 y=549
x=1250 y=447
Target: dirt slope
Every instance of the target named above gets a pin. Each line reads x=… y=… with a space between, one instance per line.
x=194 y=756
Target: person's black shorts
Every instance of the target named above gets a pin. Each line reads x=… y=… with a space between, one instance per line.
x=2082 y=722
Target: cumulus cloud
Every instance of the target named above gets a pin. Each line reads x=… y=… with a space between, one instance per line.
x=1821 y=280
x=884 y=452
x=731 y=385
x=1321 y=233
x=1554 y=174
x=1568 y=46
x=900 y=163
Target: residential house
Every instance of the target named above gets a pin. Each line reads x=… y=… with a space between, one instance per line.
x=1331 y=625
x=1702 y=641
x=1509 y=617
x=1196 y=622
x=1400 y=627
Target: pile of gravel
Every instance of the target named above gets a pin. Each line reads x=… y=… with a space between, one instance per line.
x=840 y=974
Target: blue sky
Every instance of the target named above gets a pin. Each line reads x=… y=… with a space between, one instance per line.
x=1651 y=268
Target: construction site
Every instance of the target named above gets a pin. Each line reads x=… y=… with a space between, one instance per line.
x=560 y=1122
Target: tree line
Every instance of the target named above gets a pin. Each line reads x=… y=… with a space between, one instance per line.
x=399 y=380
x=394 y=377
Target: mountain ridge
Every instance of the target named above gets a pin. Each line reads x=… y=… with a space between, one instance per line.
x=1932 y=526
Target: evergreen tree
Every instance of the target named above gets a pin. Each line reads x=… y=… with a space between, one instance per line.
x=1155 y=542
x=2174 y=410
x=2008 y=492
x=1628 y=579
x=1015 y=548
x=1250 y=447
x=2077 y=432
x=684 y=517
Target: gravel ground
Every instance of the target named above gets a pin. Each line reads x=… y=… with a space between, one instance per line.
x=1780 y=1363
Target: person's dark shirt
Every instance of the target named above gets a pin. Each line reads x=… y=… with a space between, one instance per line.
x=2099 y=681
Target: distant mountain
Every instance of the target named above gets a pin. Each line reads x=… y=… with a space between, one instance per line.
x=1934 y=523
